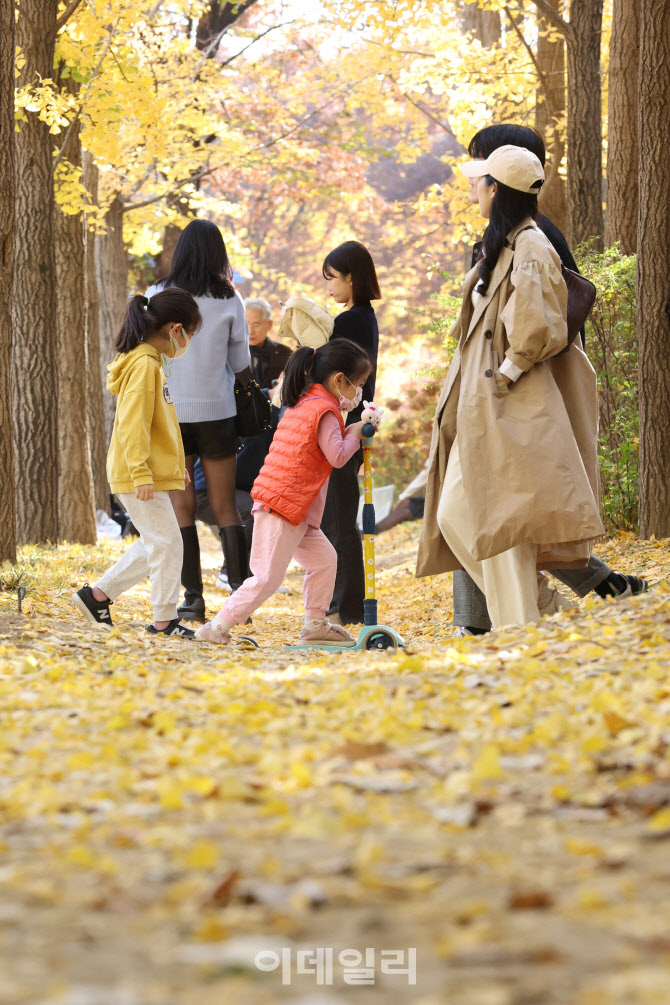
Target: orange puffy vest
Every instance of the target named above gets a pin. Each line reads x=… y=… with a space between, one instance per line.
x=295 y=468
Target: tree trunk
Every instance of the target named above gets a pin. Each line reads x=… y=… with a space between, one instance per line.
x=483 y=24
x=221 y=15
x=622 y=146
x=94 y=388
x=112 y=272
x=653 y=268
x=34 y=353
x=7 y=482
x=550 y=121
x=76 y=509
x=585 y=174
x=164 y=261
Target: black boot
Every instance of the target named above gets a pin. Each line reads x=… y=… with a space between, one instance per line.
x=234 y=544
x=193 y=607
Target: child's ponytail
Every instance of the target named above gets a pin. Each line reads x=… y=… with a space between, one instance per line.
x=145 y=315
x=314 y=366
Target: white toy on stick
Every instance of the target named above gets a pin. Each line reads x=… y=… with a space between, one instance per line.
x=372 y=413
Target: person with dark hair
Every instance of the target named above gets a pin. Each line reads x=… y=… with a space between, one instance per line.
x=352 y=281
x=482 y=146
x=146 y=459
x=202 y=388
x=471 y=616
x=289 y=494
x=513 y=476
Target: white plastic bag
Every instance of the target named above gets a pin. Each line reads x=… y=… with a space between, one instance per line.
x=105 y=526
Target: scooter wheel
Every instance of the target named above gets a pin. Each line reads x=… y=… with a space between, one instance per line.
x=249 y=643
x=381 y=640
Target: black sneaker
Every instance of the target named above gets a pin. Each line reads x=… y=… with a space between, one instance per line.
x=635 y=586
x=174 y=628
x=95 y=611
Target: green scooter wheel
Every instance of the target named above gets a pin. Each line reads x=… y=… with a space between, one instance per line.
x=381 y=640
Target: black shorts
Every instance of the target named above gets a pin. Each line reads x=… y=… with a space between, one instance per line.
x=215 y=439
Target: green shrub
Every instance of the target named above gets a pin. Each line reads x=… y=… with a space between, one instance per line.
x=611 y=344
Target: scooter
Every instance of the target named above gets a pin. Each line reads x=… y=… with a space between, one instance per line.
x=372 y=635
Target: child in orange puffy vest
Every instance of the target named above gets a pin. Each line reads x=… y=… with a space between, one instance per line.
x=290 y=491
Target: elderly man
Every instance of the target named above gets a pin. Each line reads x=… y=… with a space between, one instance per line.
x=268 y=358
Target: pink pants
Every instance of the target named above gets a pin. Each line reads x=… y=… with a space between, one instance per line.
x=274 y=544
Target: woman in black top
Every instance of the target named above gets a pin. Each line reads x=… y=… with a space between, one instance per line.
x=352 y=281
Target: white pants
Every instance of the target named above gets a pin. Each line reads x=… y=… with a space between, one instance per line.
x=158 y=553
x=508 y=580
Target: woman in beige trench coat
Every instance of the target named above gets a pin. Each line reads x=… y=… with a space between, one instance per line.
x=513 y=481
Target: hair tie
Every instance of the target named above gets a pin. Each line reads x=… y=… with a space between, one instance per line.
x=314 y=352
x=148 y=301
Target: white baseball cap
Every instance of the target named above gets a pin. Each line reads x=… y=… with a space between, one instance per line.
x=513 y=166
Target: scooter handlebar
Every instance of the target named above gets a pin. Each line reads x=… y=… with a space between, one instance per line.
x=368 y=430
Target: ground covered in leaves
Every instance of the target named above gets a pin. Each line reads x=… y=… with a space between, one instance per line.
x=168 y=810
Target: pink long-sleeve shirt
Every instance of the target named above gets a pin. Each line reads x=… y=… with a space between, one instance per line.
x=337 y=449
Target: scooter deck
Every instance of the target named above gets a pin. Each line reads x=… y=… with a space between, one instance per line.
x=388 y=639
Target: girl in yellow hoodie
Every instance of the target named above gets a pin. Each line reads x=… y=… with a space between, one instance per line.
x=146 y=458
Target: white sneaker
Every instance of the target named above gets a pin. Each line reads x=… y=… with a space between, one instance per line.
x=461 y=632
x=222 y=582
x=551 y=601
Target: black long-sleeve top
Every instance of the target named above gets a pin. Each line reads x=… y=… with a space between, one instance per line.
x=359 y=324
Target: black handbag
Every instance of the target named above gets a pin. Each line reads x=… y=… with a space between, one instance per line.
x=581 y=298
x=254 y=411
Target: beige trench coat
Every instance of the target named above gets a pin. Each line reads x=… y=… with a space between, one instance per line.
x=528 y=450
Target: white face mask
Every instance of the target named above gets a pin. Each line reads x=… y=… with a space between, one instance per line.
x=349 y=404
x=179 y=350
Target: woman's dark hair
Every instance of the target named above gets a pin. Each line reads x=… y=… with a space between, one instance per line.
x=308 y=366
x=200 y=262
x=490 y=138
x=353 y=259
x=144 y=317
x=509 y=208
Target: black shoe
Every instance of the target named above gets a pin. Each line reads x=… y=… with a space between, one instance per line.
x=193 y=606
x=636 y=585
x=174 y=628
x=96 y=611
x=236 y=555
x=619 y=585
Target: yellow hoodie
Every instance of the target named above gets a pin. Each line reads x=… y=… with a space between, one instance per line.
x=146 y=445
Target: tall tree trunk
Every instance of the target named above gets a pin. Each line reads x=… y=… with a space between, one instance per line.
x=95 y=408
x=164 y=260
x=585 y=173
x=76 y=509
x=622 y=146
x=34 y=352
x=653 y=268
x=549 y=120
x=483 y=24
x=112 y=272
x=7 y=482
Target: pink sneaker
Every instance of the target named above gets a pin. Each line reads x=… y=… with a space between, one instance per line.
x=334 y=635
x=208 y=633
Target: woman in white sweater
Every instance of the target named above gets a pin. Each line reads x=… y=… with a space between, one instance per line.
x=201 y=385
